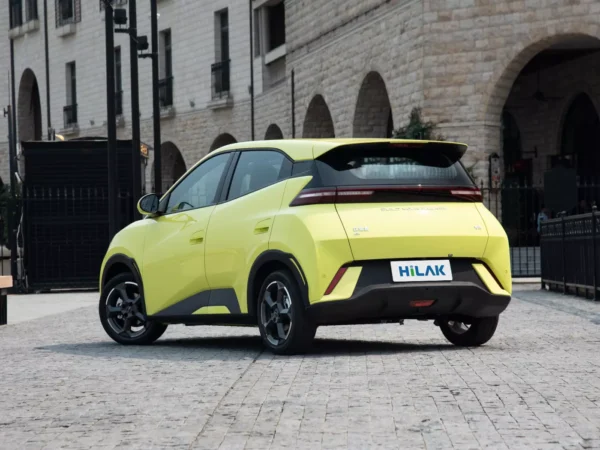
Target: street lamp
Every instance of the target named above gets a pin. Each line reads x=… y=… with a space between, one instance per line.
x=111 y=124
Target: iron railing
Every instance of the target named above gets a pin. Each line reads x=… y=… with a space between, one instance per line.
x=70 y=115
x=31 y=10
x=165 y=92
x=220 y=79
x=570 y=249
x=66 y=234
x=516 y=207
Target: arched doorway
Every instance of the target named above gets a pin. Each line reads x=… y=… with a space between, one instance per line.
x=173 y=165
x=580 y=140
x=318 y=122
x=273 y=132
x=29 y=110
x=373 y=113
x=222 y=140
x=531 y=88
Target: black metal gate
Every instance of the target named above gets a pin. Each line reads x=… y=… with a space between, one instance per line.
x=65 y=210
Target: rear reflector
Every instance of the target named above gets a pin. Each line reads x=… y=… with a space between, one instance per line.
x=383 y=193
x=336 y=279
x=421 y=303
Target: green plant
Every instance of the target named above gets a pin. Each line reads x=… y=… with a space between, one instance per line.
x=417 y=129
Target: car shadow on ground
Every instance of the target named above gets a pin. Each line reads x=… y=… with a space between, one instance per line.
x=235 y=347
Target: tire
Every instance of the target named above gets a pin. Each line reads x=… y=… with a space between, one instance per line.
x=113 y=307
x=284 y=324
x=478 y=333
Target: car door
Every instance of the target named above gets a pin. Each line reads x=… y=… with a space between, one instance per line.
x=240 y=227
x=173 y=271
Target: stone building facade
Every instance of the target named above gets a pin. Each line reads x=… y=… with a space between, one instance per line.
x=358 y=68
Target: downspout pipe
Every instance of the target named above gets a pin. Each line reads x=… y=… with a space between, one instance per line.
x=251 y=12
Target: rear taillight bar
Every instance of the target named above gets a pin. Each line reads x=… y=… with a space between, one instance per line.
x=358 y=195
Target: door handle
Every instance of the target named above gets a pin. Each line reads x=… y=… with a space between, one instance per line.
x=197 y=237
x=262 y=227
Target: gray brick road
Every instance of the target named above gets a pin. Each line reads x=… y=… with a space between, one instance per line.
x=63 y=384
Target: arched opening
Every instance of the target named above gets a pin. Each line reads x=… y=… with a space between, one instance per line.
x=29 y=110
x=543 y=122
x=580 y=140
x=318 y=122
x=273 y=132
x=173 y=166
x=373 y=113
x=222 y=140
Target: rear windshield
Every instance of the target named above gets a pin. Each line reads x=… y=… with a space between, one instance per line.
x=385 y=165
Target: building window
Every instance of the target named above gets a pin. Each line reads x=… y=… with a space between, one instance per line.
x=70 y=110
x=31 y=10
x=276 y=25
x=16 y=13
x=67 y=11
x=270 y=38
x=220 y=69
x=166 y=69
x=118 y=83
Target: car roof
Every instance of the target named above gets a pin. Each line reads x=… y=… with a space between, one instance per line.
x=307 y=149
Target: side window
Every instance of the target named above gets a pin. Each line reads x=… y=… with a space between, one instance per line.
x=199 y=188
x=255 y=170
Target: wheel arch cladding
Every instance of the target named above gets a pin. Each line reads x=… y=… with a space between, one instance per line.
x=267 y=263
x=117 y=265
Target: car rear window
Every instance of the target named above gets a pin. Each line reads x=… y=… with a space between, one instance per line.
x=358 y=165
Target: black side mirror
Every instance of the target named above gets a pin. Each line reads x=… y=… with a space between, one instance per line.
x=148 y=205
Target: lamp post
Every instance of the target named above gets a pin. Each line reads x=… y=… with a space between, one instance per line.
x=143 y=45
x=121 y=20
x=111 y=124
x=155 y=97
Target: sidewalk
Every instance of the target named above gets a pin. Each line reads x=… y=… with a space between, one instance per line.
x=22 y=308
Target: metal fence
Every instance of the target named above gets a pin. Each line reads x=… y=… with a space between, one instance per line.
x=65 y=234
x=516 y=207
x=570 y=250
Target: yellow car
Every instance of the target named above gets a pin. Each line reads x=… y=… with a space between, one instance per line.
x=290 y=235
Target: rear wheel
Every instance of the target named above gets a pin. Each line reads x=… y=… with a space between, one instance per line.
x=473 y=333
x=121 y=313
x=284 y=324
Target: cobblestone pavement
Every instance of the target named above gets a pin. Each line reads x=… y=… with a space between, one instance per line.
x=63 y=384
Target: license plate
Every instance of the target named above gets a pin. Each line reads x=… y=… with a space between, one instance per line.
x=414 y=271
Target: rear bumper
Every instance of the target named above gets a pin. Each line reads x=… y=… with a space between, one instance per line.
x=392 y=302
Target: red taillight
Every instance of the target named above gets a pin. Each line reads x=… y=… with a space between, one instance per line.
x=421 y=303
x=336 y=279
x=314 y=197
x=472 y=194
x=382 y=193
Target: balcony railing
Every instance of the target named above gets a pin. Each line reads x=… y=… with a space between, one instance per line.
x=31 y=10
x=70 y=115
x=119 y=103
x=220 y=79
x=165 y=92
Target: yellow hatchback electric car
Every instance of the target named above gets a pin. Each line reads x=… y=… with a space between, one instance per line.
x=293 y=234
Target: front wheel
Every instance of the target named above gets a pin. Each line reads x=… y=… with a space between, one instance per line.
x=121 y=313
x=284 y=325
x=473 y=333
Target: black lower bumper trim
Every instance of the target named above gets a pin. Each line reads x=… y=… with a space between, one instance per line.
x=392 y=302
